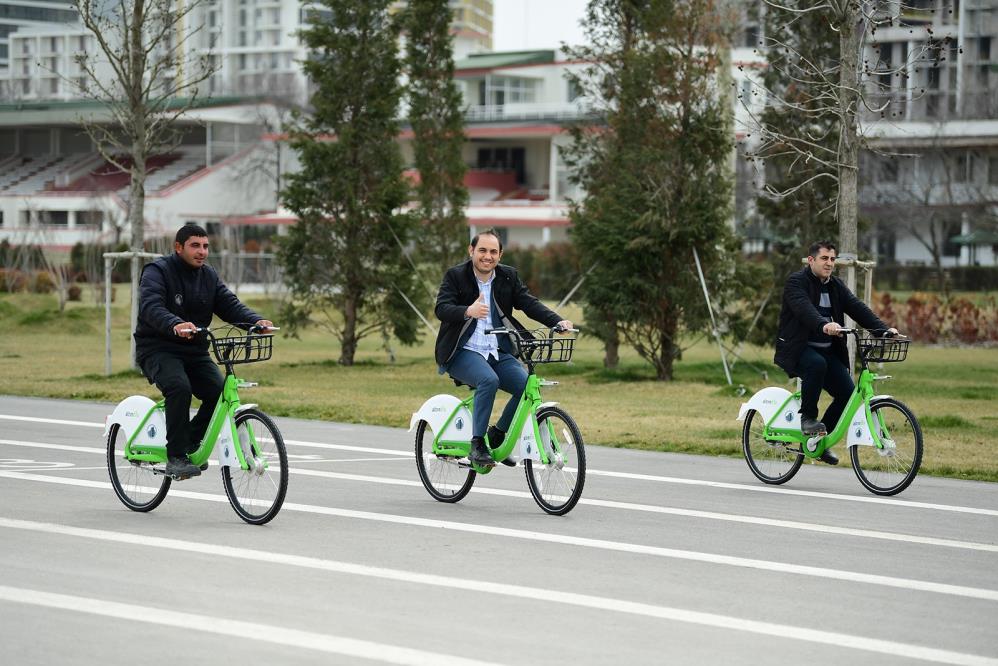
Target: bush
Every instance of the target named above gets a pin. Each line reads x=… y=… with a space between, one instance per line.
x=922 y=278
x=12 y=280
x=74 y=293
x=550 y=271
x=927 y=318
x=43 y=283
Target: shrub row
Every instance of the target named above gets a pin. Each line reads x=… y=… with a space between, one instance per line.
x=923 y=278
x=928 y=318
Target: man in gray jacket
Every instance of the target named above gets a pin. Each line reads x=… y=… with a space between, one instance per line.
x=179 y=293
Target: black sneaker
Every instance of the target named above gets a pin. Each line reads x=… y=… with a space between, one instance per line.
x=496 y=437
x=179 y=467
x=829 y=457
x=812 y=427
x=479 y=454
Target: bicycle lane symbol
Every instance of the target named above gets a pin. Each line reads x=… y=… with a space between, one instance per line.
x=27 y=465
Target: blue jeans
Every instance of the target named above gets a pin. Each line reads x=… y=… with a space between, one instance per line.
x=821 y=368
x=487 y=377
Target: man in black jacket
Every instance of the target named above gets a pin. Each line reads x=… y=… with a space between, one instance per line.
x=809 y=344
x=179 y=293
x=477 y=295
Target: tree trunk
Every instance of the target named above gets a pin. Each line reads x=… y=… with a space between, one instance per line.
x=849 y=30
x=136 y=224
x=664 y=363
x=612 y=345
x=348 y=345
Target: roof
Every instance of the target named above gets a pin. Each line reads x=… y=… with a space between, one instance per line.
x=48 y=112
x=504 y=59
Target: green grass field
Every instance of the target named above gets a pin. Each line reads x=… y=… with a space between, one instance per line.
x=954 y=391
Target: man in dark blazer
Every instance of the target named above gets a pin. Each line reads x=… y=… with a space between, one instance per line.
x=177 y=294
x=809 y=344
x=475 y=296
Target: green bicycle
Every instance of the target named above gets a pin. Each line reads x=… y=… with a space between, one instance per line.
x=543 y=436
x=251 y=450
x=882 y=433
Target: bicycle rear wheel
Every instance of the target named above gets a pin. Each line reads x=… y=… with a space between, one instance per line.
x=442 y=476
x=134 y=483
x=257 y=493
x=890 y=470
x=771 y=462
x=557 y=486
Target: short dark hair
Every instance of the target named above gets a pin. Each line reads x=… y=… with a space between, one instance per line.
x=490 y=232
x=813 y=250
x=187 y=231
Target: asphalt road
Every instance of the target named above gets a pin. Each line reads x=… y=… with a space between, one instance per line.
x=668 y=559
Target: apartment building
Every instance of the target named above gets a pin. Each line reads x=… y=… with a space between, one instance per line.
x=930 y=184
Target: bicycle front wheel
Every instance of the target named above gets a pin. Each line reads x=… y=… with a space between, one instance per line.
x=771 y=462
x=889 y=470
x=442 y=476
x=257 y=493
x=557 y=486
x=134 y=483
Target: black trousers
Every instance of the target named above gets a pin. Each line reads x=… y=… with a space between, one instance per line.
x=178 y=377
x=820 y=368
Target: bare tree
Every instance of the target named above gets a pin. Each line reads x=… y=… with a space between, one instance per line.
x=929 y=195
x=146 y=73
x=827 y=92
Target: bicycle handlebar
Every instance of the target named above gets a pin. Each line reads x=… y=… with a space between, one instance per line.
x=207 y=330
x=506 y=331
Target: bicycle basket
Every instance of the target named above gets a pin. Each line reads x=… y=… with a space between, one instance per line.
x=884 y=350
x=242 y=348
x=541 y=346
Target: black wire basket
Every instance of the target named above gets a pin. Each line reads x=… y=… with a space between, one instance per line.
x=541 y=346
x=235 y=349
x=884 y=350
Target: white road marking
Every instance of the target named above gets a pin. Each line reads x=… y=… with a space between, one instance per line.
x=627 y=506
x=621 y=475
x=584 y=542
x=518 y=591
x=266 y=633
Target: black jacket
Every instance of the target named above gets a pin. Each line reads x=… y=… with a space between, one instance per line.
x=172 y=292
x=459 y=289
x=799 y=317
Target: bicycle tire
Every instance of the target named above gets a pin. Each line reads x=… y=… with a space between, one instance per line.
x=891 y=472
x=550 y=484
x=441 y=475
x=133 y=478
x=245 y=488
x=771 y=462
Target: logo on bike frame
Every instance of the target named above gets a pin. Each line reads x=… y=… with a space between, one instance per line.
x=459 y=423
x=859 y=432
x=789 y=416
x=151 y=431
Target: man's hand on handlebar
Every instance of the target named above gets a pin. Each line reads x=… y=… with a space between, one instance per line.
x=185 y=330
x=563 y=325
x=263 y=326
x=832 y=328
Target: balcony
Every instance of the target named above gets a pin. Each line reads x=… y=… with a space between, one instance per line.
x=529 y=111
x=938 y=106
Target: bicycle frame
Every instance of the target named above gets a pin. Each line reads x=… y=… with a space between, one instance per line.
x=221 y=429
x=525 y=416
x=861 y=397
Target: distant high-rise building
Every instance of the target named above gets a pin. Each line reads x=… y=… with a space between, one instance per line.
x=471 y=25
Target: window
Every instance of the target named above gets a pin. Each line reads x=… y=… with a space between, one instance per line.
x=950 y=249
x=984 y=48
x=888 y=171
x=993 y=170
x=962 y=168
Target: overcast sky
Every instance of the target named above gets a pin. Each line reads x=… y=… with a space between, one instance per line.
x=536 y=24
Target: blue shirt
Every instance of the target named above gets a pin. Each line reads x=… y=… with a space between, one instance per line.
x=479 y=342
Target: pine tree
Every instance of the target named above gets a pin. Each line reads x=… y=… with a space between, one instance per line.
x=438 y=125
x=655 y=174
x=343 y=259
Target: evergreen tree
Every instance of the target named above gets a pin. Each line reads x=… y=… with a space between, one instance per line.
x=343 y=259
x=655 y=174
x=435 y=112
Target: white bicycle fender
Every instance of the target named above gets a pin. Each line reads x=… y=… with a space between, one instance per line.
x=859 y=429
x=436 y=411
x=768 y=401
x=546 y=404
x=130 y=413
